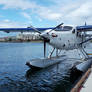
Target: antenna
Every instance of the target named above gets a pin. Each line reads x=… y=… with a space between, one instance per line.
x=85 y=23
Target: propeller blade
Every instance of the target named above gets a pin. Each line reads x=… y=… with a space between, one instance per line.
x=44 y=48
x=35 y=29
x=56 y=27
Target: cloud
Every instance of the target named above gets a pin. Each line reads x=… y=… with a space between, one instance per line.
x=48 y=13
x=17 y=4
x=11 y=24
x=80 y=14
x=70 y=12
x=42 y=11
x=26 y=15
x=73 y=12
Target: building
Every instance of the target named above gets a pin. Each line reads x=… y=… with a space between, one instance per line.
x=28 y=36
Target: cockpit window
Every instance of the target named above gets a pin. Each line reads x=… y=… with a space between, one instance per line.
x=64 y=28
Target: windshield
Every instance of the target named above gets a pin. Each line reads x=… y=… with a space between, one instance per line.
x=64 y=28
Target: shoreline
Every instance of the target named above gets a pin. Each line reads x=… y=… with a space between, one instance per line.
x=21 y=41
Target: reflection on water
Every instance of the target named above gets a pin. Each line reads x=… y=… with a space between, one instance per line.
x=15 y=76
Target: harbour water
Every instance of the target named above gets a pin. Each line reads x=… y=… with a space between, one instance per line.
x=15 y=76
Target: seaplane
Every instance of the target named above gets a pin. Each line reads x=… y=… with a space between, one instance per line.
x=60 y=38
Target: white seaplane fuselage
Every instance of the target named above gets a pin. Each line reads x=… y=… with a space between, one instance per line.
x=66 y=40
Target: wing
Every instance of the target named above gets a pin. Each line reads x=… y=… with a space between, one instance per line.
x=65 y=28
x=84 y=28
x=22 y=29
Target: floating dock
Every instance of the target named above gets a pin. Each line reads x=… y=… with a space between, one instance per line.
x=84 y=84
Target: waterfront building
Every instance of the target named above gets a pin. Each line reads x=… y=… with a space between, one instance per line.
x=28 y=36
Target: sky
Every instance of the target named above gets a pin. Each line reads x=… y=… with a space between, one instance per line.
x=44 y=13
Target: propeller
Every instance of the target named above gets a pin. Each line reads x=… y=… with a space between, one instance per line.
x=45 y=40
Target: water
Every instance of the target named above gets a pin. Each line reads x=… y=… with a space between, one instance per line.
x=15 y=76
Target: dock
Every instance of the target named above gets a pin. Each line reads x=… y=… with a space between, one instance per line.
x=84 y=84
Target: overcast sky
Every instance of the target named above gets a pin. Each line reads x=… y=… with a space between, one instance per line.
x=44 y=13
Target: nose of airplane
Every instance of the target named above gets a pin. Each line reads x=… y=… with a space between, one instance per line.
x=44 y=35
